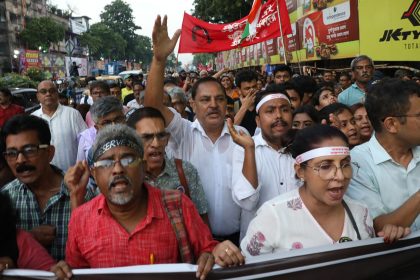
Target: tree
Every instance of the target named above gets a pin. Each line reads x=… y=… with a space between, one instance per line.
x=202 y=58
x=103 y=42
x=221 y=11
x=42 y=32
x=118 y=16
x=143 y=49
x=172 y=62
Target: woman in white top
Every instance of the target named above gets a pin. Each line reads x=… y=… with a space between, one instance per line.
x=318 y=213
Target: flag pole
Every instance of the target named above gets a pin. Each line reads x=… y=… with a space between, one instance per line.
x=281 y=32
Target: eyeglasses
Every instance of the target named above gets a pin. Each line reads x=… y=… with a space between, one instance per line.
x=149 y=137
x=327 y=171
x=49 y=90
x=126 y=161
x=28 y=151
x=120 y=119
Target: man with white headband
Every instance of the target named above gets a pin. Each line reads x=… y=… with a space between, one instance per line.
x=261 y=168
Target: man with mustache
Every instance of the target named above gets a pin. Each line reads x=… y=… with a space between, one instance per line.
x=262 y=169
x=131 y=222
x=161 y=171
x=206 y=142
x=42 y=200
x=362 y=69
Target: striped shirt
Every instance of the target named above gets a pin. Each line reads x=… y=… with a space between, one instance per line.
x=56 y=213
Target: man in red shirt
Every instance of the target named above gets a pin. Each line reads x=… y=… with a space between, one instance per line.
x=7 y=109
x=129 y=223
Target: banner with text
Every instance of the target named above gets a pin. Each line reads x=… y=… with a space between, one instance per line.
x=390 y=30
x=320 y=30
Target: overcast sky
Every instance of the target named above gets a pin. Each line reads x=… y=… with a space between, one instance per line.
x=144 y=12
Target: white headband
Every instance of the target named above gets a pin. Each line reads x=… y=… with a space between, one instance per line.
x=320 y=152
x=270 y=97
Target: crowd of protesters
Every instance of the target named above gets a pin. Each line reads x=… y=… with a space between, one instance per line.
x=207 y=168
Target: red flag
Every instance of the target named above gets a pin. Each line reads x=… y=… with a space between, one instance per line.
x=198 y=36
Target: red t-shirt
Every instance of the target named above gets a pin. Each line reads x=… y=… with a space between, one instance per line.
x=31 y=254
x=97 y=240
x=9 y=112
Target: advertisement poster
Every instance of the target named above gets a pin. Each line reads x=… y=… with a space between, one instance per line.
x=321 y=30
x=392 y=32
x=331 y=33
x=31 y=59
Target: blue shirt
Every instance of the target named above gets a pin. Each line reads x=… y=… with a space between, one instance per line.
x=381 y=183
x=352 y=95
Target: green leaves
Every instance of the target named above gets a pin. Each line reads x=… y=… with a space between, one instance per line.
x=114 y=36
x=104 y=42
x=221 y=11
x=42 y=32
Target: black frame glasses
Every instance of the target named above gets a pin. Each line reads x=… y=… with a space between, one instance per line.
x=28 y=151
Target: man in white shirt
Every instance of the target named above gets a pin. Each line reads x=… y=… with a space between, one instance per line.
x=387 y=173
x=206 y=142
x=65 y=124
x=262 y=169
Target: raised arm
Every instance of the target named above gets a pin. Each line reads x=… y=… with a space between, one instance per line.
x=163 y=46
x=249 y=168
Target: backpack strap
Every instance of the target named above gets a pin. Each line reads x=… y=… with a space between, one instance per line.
x=172 y=203
x=181 y=175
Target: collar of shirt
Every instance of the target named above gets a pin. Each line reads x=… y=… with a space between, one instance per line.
x=380 y=155
x=59 y=109
x=153 y=205
x=260 y=142
x=355 y=86
x=197 y=125
x=165 y=171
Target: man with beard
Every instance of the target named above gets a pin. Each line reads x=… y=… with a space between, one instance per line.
x=261 y=167
x=206 y=142
x=362 y=69
x=131 y=222
x=42 y=200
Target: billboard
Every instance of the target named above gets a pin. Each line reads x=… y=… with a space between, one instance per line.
x=320 y=30
x=392 y=31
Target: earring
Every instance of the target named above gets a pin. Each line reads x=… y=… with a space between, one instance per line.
x=302 y=180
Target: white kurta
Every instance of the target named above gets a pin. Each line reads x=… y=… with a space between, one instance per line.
x=65 y=125
x=284 y=223
x=276 y=175
x=213 y=162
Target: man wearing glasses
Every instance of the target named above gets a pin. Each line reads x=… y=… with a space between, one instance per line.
x=129 y=223
x=161 y=171
x=65 y=124
x=106 y=110
x=388 y=180
x=42 y=200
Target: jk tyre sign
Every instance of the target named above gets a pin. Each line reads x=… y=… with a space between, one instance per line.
x=390 y=30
